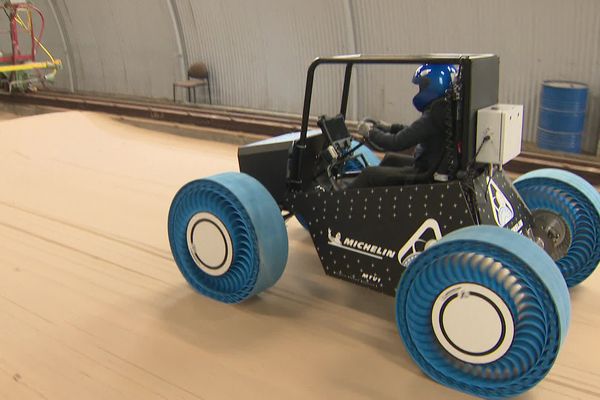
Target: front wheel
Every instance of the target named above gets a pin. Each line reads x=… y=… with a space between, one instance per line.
x=228 y=237
x=484 y=311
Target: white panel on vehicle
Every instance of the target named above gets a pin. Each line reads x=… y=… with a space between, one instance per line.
x=503 y=123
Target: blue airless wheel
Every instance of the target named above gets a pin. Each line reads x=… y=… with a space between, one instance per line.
x=228 y=237
x=566 y=211
x=484 y=311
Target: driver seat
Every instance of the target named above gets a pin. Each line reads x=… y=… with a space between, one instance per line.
x=339 y=137
x=407 y=174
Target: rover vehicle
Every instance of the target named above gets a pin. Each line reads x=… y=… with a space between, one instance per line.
x=479 y=266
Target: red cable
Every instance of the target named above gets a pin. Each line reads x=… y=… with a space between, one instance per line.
x=42 y=19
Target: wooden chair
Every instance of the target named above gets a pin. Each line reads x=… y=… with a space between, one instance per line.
x=197 y=76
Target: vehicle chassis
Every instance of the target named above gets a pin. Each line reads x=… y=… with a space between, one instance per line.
x=368 y=236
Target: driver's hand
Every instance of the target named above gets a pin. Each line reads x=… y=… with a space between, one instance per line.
x=384 y=126
x=365 y=127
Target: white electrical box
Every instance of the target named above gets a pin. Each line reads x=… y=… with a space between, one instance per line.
x=503 y=123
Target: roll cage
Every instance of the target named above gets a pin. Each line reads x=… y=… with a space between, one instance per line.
x=476 y=88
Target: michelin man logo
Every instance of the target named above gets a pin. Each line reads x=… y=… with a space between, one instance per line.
x=427 y=234
x=501 y=207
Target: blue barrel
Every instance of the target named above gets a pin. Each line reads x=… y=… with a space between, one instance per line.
x=562 y=115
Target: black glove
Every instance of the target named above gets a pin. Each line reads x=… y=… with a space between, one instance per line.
x=379 y=124
x=382 y=125
x=395 y=128
x=370 y=141
x=365 y=127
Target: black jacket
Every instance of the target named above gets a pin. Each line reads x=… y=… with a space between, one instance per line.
x=428 y=133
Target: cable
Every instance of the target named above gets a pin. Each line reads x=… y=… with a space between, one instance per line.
x=22 y=23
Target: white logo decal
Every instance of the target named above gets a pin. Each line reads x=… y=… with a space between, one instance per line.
x=418 y=242
x=359 y=247
x=427 y=234
x=371 y=277
x=503 y=211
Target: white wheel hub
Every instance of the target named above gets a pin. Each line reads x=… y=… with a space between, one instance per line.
x=209 y=244
x=472 y=323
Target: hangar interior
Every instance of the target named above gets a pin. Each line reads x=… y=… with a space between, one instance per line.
x=96 y=147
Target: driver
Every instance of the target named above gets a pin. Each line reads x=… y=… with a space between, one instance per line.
x=428 y=133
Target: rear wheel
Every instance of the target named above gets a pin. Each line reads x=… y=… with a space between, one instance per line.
x=484 y=311
x=566 y=211
x=228 y=237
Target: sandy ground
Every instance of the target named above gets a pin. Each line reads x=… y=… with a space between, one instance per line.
x=5 y=115
x=92 y=305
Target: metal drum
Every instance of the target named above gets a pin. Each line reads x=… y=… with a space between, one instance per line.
x=562 y=115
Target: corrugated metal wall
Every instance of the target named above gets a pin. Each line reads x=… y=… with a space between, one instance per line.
x=122 y=47
x=258 y=51
x=536 y=40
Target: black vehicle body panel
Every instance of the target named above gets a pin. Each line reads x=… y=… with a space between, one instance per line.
x=369 y=236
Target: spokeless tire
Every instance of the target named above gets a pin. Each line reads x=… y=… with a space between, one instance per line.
x=483 y=311
x=566 y=211
x=227 y=237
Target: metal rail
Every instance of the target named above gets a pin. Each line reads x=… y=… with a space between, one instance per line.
x=263 y=123
x=233 y=119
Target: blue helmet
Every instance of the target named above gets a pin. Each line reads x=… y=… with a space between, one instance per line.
x=433 y=81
